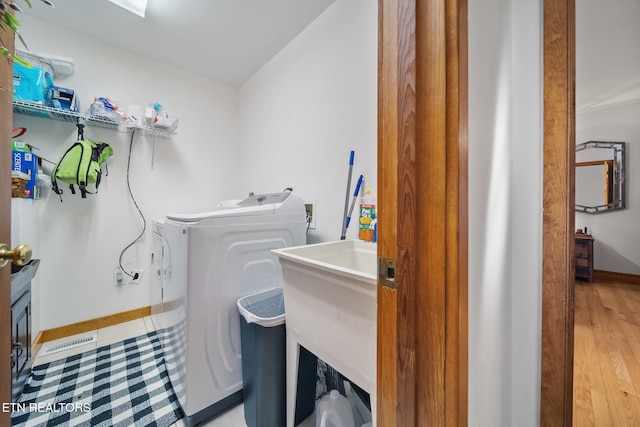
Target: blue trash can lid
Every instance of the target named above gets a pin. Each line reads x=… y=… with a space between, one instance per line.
x=264 y=308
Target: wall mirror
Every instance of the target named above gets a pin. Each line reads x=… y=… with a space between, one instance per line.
x=600 y=185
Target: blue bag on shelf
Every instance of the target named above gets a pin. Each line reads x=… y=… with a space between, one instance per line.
x=31 y=84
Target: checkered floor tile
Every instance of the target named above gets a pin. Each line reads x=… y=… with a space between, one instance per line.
x=123 y=384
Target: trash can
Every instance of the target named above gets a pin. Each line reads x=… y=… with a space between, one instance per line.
x=263 y=341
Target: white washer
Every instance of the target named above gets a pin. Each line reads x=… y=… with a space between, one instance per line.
x=204 y=262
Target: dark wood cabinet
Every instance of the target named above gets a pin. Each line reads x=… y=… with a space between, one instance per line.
x=584 y=257
x=21 y=325
x=20 y=343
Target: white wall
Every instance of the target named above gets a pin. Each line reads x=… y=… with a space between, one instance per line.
x=504 y=212
x=294 y=123
x=79 y=241
x=308 y=107
x=608 y=107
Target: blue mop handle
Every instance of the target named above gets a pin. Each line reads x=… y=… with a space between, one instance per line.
x=353 y=201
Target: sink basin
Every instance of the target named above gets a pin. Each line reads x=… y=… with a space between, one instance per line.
x=330 y=292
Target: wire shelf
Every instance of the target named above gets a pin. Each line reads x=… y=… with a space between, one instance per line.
x=54 y=65
x=40 y=110
x=37 y=61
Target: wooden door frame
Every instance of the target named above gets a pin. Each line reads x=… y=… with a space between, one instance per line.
x=558 y=240
x=422 y=161
x=6 y=119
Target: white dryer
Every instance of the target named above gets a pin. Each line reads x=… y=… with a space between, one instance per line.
x=208 y=261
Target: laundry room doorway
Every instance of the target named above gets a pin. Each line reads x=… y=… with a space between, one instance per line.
x=412 y=52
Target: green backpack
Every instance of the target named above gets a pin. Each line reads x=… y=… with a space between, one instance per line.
x=81 y=165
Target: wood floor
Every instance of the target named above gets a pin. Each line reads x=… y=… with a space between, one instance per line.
x=606 y=390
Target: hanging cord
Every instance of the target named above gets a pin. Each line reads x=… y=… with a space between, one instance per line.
x=144 y=221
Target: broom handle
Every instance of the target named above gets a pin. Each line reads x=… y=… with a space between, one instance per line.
x=346 y=198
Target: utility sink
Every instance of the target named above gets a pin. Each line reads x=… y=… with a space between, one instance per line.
x=330 y=292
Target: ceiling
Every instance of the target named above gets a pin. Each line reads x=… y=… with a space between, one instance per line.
x=224 y=40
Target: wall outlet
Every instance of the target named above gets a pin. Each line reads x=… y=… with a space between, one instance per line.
x=310 y=207
x=137 y=276
x=118 y=277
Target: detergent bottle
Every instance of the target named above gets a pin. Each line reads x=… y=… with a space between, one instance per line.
x=367 y=215
x=334 y=410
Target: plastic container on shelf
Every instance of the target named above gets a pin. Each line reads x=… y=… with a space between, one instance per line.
x=156 y=116
x=334 y=410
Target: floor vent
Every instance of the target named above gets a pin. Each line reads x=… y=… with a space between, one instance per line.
x=75 y=342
